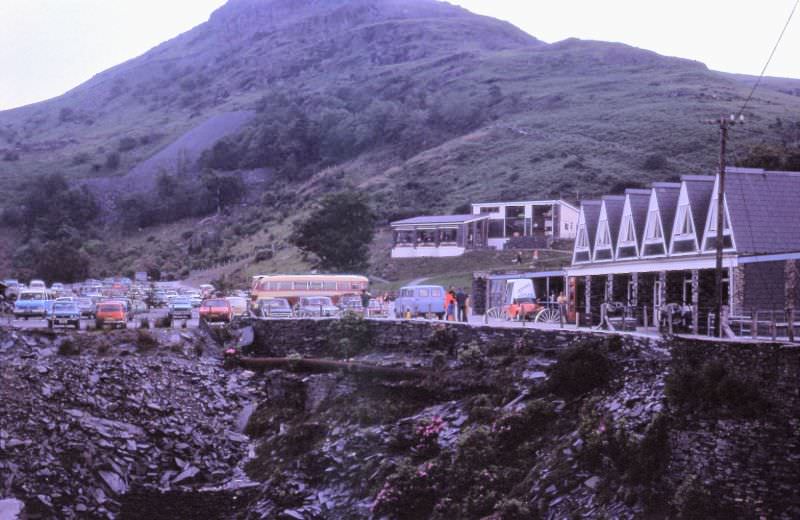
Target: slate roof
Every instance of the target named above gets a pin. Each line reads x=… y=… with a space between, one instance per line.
x=699 y=188
x=615 y=204
x=764 y=207
x=640 y=200
x=439 y=219
x=591 y=213
x=667 y=194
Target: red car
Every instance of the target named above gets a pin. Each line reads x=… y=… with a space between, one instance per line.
x=216 y=310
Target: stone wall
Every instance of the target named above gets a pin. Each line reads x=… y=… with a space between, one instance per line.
x=752 y=464
x=317 y=337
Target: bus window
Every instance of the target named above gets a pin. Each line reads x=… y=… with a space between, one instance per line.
x=423 y=293
x=300 y=286
x=315 y=286
x=436 y=292
x=329 y=286
x=284 y=286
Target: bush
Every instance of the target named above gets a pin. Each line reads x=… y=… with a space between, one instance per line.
x=514 y=428
x=709 y=387
x=145 y=341
x=655 y=162
x=351 y=335
x=409 y=492
x=580 y=369
x=694 y=501
x=471 y=355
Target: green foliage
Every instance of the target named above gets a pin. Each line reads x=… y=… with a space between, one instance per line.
x=580 y=369
x=338 y=233
x=773 y=157
x=695 y=501
x=408 y=493
x=472 y=355
x=514 y=428
x=58 y=261
x=708 y=387
x=350 y=335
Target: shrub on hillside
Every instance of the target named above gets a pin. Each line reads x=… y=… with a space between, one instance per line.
x=710 y=387
x=580 y=369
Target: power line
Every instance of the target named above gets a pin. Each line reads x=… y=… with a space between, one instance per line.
x=769 y=59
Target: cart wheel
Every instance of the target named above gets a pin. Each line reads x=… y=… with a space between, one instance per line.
x=548 y=316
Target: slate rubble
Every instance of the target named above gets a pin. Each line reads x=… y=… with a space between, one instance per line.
x=78 y=432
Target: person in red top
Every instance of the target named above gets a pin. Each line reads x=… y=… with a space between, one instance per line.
x=450 y=305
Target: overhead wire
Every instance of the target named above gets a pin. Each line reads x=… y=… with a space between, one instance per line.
x=769 y=59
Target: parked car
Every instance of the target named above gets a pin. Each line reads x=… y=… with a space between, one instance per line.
x=86 y=306
x=126 y=303
x=319 y=306
x=216 y=310
x=180 y=308
x=195 y=297
x=57 y=287
x=420 y=300
x=377 y=309
x=64 y=314
x=37 y=285
x=238 y=305
x=274 y=308
x=33 y=304
x=351 y=303
x=111 y=313
x=140 y=307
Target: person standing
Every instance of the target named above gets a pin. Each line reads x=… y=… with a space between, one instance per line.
x=461 y=302
x=449 y=305
x=562 y=308
x=365 y=297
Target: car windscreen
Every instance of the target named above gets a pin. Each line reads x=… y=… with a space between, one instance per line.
x=274 y=304
x=181 y=301
x=318 y=301
x=63 y=306
x=109 y=307
x=32 y=297
x=215 y=303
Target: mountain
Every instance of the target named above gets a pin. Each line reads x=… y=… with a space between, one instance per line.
x=424 y=104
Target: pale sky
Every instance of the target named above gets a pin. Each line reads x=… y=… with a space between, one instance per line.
x=50 y=46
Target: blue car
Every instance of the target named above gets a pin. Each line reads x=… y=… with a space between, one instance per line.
x=420 y=300
x=33 y=304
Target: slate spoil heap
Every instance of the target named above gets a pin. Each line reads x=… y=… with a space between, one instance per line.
x=84 y=423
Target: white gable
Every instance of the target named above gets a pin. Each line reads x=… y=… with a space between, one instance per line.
x=684 y=232
x=653 y=230
x=582 y=251
x=710 y=234
x=627 y=230
x=602 y=241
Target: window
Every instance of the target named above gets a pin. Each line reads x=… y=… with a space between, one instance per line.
x=436 y=292
x=315 y=286
x=582 y=242
x=329 y=286
x=685 y=226
x=423 y=293
x=300 y=286
x=447 y=235
x=284 y=286
x=653 y=226
x=496 y=229
x=491 y=209
x=604 y=239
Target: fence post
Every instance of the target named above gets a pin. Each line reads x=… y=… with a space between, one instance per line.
x=754 y=324
x=790 y=323
x=669 y=322
x=644 y=317
x=773 y=326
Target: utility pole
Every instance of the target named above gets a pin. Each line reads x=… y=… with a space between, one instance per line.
x=724 y=123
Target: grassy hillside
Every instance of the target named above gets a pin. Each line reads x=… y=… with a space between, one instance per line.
x=424 y=105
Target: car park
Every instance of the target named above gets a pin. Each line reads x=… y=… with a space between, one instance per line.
x=420 y=300
x=180 y=308
x=274 y=308
x=64 y=314
x=216 y=310
x=140 y=307
x=239 y=306
x=316 y=306
x=127 y=303
x=111 y=313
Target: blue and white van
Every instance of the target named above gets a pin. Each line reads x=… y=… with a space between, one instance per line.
x=420 y=300
x=33 y=304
